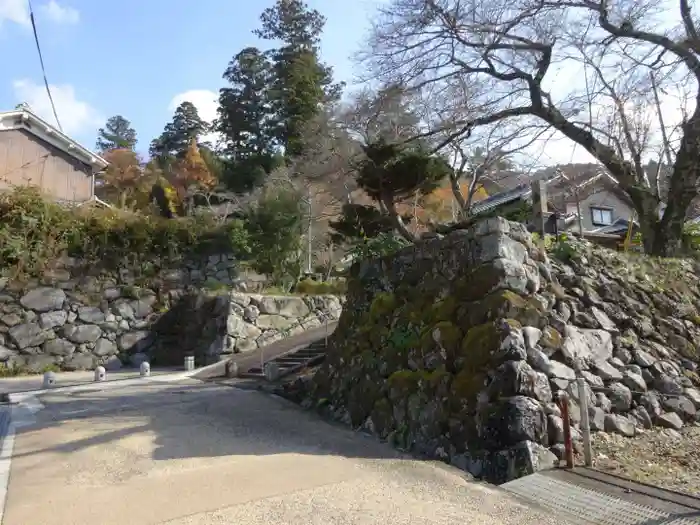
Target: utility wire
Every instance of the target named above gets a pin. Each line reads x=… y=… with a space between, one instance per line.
x=43 y=69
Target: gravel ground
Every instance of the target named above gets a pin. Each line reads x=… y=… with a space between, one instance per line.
x=660 y=457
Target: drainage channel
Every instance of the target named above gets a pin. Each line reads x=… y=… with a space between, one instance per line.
x=588 y=497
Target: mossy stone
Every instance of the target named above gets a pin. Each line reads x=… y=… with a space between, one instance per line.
x=382 y=417
x=443 y=310
x=551 y=338
x=449 y=337
x=477 y=357
x=480 y=282
x=382 y=305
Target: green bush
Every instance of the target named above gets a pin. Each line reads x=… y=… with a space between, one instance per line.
x=35 y=231
x=309 y=287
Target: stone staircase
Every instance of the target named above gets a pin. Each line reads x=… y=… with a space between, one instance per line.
x=289 y=363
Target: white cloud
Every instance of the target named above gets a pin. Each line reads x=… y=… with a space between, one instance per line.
x=15 y=11
x=75 y=115
x=206 y=102
x=59 y=14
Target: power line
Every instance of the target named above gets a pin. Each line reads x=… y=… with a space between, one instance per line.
x=43 y=69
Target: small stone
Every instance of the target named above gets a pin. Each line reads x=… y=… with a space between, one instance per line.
x=667 y=385
x=607 y=372
x=618 y=424
x=91 y=315
x=43 y=299
x=56 y=319
x=643 y=359
x=59 y=347
x=680 y=405
x=531 y=336
x=634 y=382
x=85 y=333
x=620 y=397
x=26 y=335
x=104 y=347
x=670 y=420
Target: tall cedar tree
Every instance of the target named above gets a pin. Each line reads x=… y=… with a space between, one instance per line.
x=117 y=134
x=301 y=84
x=244 y=119
x=173 y=143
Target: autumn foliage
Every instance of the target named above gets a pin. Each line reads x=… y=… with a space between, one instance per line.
x=122 y=178
x=193 y=171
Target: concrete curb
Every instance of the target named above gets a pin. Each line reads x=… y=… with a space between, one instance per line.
x=18 y=397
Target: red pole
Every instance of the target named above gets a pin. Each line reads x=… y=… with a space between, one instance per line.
x=568 y=444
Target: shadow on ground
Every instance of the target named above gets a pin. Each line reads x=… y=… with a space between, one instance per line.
x=204 y=420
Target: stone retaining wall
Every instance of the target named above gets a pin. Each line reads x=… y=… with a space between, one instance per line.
x=78 y=324
x=455 y=348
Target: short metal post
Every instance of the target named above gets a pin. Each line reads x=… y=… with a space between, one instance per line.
x=568 y=445
x=100 y=374
x=326 y=320
x=145 y=369
x=585 y=424
x=49 y=380
x=189 y=363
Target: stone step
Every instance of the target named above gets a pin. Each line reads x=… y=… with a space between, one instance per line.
x=310 y=356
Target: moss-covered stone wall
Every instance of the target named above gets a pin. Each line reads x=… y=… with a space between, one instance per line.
x=455 y=347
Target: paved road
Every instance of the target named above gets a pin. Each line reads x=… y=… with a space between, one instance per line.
x=190 y=453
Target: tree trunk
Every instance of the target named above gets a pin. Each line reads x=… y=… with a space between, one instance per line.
x=662 y=238
x=388 y=203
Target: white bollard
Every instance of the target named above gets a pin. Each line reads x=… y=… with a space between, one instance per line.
x=49 y=380
x=100 y=373
x=189 y=363
x=145 y=369
x=231 y=369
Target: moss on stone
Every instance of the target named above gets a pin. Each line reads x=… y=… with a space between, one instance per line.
x=479 y=282
x=382 y=417
x=477 y=350
x=443 y=310
x=405 y=381
x=448 y=335
x=500 y=304
x=480 y=339
x=551 y=338
x=383 y=304
x=693 y=376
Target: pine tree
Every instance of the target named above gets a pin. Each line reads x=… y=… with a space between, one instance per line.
x=117 y=134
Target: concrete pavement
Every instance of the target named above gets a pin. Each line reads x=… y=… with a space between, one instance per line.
x=189 y=453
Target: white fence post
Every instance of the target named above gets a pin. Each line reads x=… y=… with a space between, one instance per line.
x=585 y=424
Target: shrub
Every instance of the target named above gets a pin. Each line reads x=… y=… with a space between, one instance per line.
x=35 y=231
x=310 y=287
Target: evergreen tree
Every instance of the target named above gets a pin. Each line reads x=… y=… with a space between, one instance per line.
x=245 y=119
x=117 y=134
x=301 y=84
x=185 y=126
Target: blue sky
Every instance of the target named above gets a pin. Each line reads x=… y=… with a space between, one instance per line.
x=141 y=58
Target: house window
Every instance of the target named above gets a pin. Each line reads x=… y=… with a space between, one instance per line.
x=601 y=216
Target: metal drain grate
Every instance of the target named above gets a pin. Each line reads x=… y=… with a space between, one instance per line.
x=580 y=504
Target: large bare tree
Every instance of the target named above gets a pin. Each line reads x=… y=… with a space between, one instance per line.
x=593 y=71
